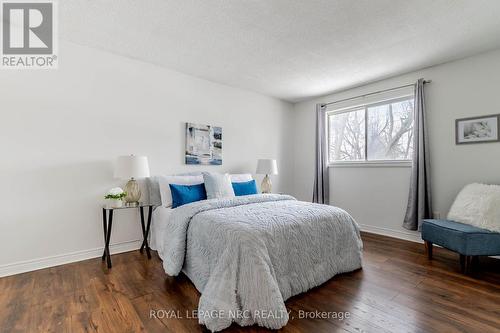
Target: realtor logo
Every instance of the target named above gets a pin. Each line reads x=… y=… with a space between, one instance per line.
x=28 y=32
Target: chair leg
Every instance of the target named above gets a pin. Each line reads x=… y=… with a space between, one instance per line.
x=469 y=264
x=475 y=261
x=428 y=249
x=463 y=263
x=466 y=263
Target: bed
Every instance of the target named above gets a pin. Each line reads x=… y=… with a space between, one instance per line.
x=247 y=255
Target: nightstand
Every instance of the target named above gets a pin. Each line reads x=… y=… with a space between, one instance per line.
x=107 y=223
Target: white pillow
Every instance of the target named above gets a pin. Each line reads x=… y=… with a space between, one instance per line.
x=241 y=178
x=477 y=205
x=164 y=181
x=218 y=185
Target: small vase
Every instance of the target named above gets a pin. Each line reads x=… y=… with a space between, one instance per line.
x=115 y=203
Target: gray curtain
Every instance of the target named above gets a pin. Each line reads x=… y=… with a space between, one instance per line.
x=321 y=193
x=419 y=200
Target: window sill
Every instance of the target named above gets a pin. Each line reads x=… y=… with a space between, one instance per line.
x=371 y=164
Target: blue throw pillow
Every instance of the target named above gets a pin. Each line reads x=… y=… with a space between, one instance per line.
x=245 y=188
x=184 y=194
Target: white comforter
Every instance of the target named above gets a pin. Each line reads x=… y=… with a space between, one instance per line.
x=247 y=255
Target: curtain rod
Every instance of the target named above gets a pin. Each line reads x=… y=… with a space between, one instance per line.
x=374 y=93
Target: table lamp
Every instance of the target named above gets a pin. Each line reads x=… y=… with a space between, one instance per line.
x=132 y=167
x=266 y=167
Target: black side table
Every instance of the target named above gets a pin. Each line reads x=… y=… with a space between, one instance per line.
x=107 y=223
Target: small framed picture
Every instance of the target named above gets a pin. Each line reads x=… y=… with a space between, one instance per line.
x=477 y=129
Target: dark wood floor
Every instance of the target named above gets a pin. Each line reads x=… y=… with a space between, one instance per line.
x=398 y=290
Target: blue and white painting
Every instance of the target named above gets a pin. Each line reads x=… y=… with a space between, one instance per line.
x=203 y=144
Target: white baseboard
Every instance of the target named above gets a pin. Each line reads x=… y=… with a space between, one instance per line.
x=406 y=235
x=35 y=264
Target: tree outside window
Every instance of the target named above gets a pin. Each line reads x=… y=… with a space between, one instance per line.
x=375 y=132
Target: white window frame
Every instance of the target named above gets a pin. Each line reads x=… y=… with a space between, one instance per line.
x=364 y=163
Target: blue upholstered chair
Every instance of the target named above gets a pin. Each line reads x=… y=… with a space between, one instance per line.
x=467 y=240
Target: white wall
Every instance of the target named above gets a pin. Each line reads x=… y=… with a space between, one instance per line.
x=376 y=197
x=60 y=131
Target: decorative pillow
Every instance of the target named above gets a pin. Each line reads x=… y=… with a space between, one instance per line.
x=245 y=188
x=218 y=185
x=153 y=191
x=477 y=205
x=165 y=181
x=184 y=194
x=241 y=177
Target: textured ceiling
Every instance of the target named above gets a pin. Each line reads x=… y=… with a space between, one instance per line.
x=290 y=49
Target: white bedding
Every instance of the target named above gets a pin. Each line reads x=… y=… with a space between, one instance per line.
x=251 y=253
x=159 y=222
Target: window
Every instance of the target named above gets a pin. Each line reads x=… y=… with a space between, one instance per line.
x=380 y=131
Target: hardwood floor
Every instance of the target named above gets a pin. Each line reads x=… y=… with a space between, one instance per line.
x=398 y=290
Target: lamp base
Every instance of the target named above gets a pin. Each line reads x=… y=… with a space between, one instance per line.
x=266 y=185
x=133 y=193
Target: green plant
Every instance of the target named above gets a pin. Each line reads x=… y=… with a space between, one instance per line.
x=116 y=196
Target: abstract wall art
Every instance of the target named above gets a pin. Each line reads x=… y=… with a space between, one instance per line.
x=203 y=144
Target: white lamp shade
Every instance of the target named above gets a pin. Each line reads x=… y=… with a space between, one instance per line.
x=267 y=167
x=131 y=167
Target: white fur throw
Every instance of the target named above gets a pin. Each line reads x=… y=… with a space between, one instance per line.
x=478 y=205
